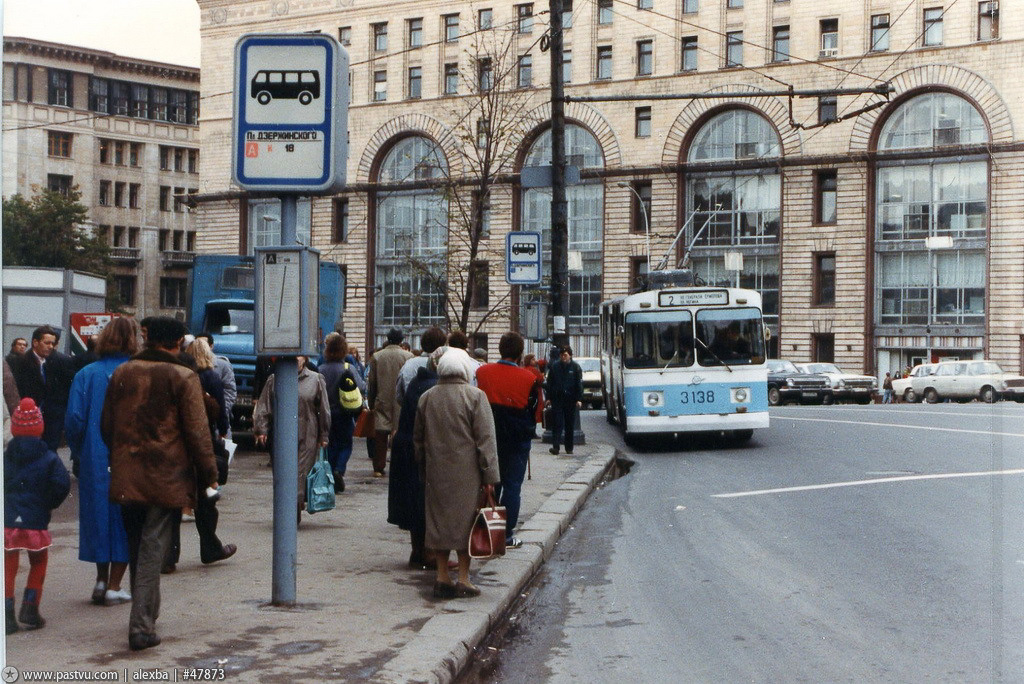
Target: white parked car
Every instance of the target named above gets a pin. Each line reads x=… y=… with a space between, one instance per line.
x=966 y=380
x=848 y=386
x=904 y=387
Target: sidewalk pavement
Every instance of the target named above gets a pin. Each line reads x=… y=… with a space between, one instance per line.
x=362 y=615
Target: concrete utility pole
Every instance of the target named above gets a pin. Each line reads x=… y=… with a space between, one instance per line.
x=559 y=205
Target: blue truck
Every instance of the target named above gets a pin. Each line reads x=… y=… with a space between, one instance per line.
x=221 y=294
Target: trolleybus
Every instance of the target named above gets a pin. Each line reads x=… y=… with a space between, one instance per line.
x=685 y=359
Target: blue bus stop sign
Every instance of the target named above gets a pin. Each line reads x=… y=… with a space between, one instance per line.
x=290 y=113
x=522 y=258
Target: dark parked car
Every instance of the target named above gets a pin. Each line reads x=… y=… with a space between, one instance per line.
x=788 y=383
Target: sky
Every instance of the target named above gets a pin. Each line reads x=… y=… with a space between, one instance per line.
x=159 y=30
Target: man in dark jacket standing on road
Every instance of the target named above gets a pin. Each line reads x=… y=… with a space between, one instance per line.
x=45 y=375
x=512 y=392
x=154 y=422
x=564 y=390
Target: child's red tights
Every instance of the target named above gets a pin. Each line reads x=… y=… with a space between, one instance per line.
x=36 y=573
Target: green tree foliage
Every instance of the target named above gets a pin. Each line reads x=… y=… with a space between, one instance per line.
x=48 y=229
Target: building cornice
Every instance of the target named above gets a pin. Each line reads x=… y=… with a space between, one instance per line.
x=71 y=54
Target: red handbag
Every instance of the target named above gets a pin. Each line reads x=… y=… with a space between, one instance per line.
x=487 y=536
x=364 y=424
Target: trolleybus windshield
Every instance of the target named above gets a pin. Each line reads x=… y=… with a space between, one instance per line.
x=659 y=339
x=729 y=336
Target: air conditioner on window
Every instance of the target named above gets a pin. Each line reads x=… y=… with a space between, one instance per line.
x=947 y=136
x=746 y=150
x=828 y=52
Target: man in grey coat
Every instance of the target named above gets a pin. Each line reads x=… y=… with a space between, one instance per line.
x=385 y=367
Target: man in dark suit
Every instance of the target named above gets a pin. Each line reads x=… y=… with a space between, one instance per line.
x=45 y=375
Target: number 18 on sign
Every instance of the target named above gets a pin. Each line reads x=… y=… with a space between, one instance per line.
x=291 y=111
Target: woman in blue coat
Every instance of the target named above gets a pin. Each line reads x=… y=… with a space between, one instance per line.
x=101 y=536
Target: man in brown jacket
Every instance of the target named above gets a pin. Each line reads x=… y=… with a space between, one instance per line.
x=385 y=367
x=154 y=423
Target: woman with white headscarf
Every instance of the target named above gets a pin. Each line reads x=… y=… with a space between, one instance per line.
x=457 y=453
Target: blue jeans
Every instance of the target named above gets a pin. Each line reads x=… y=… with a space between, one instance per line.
x=512 y=460
x=339 y=440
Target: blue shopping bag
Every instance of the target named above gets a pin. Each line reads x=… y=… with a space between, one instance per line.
x=320 y=485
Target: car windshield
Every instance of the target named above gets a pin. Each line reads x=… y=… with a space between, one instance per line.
x=782 y=367
x=658 y=339
x=230 y=321
x=589 y=364
x=821 y=368
x=729 y=336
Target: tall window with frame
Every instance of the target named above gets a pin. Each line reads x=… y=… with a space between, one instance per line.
x=644 y=57
x=780 y=43
x=415 y=33
x=940 y=196
x=451 y=27
x=485 y=19
x=734 y=48
x=932 y=34
x=828 y=108
x=340 y=221
x=824 y=279
x=451 y=79
x=988 y=20
x=737 y=206
x=829 y=37
x=604 y=63
x=524 y=18
x=640 y=214
x=415 y=83
x=380 y=36
x=586 y=225
x=380 y=85
x=605 y=12
x=690 y=6
x=689 y=53
x=411 y=238
x=121 y=95
x=172 y=293
x=99 y=95
x=642 y=122
x=645 y=4
x=60 y=183
x=566 y=14
x=734 y=4
x=524 y=69
x=485 y=74
x=879 y=33
x=59 y=92
x=345 y=35
x=566 y=66
x=825 y=193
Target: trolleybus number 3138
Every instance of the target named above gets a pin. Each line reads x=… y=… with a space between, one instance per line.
x=697 y=397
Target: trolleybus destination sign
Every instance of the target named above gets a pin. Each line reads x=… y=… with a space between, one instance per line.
x=698 y=298
x=291 y=111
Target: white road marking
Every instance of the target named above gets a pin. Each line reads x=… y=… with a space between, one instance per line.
x=857 y=483
x=902 y=427
x=922 y=412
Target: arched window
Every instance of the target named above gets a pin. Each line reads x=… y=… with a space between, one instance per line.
x=412 y=238
x=736 y=210
x=586 y=225
x=931 y=225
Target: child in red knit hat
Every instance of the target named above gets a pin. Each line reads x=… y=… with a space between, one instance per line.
x=35 y=483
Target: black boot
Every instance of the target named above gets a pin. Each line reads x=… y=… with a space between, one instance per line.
x=12 y=624
x=339 y=482
x=30 y=617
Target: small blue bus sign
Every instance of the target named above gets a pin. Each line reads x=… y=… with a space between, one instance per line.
x=522 y=258
x=291 y=113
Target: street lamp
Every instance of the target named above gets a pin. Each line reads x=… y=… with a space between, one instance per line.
x=933 y=243
x=647 y=224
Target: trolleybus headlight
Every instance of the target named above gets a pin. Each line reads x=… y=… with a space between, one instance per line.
x=740 y=395
x=654 y=399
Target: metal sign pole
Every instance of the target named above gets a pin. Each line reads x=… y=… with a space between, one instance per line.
x=286 y=450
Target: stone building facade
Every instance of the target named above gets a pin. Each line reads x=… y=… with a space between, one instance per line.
x=890 y=235
x=124 y=131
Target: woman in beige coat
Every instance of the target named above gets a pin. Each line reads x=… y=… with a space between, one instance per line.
x=455 y=447
x=314 y=420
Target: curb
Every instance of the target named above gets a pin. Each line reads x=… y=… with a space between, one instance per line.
x=441 y=649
